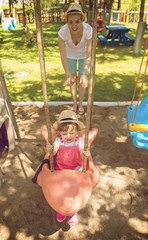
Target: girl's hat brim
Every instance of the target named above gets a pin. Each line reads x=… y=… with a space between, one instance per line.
x=80 y=124
x=68 y=116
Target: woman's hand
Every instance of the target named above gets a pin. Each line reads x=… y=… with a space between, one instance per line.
x=67 y=81
x=83 y=81
x=70 y=80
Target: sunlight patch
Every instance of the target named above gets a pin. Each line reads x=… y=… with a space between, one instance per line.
x=3 y=199
x=117 y=85
x=112 y=117
x=121 y=139
x=4 y=232
x=139 y=225
x=116 y=181
x=11 y=190
x=7 y=212
x=23 y=235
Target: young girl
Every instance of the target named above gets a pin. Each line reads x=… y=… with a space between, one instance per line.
x=68 y=149
x=75 y=39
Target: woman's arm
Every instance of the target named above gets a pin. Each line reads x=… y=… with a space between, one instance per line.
x=83 y=78
x=88 y=56
x=64 y=59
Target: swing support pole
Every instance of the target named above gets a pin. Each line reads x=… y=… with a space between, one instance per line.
x=37 y=7
x=139 y=73
x=140 y=91
x=91 y=83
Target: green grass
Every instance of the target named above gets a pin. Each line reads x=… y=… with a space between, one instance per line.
x=116 y=68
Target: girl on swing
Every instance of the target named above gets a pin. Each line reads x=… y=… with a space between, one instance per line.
x=75 y=40
x=68 y=149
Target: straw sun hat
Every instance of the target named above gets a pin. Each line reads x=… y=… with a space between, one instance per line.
x=68 y=116
x=75 y=8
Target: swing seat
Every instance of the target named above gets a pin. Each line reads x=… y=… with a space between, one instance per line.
x=139 y=129
x=67 y=191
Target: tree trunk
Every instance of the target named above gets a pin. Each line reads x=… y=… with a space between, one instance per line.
x=24 y=18
x=90 y=14
x=108 y=4
x=90 y=5
x=100 y=5
x=142 y=10
x=0 y=11
x=140 y=30
x=10 y=7
x=119 y=5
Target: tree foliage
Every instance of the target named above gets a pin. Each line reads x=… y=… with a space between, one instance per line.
x=131 y=5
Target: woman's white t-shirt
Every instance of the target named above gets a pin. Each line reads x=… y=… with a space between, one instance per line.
x=76 y=51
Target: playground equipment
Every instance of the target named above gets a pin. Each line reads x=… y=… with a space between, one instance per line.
x=67 y=191
x=9 y=23
x=137 y=115
x=8 y=125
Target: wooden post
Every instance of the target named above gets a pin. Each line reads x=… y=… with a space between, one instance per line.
x=91 y=83
x=37 y=8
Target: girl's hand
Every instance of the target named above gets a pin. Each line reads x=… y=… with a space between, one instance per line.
x=49 y=147
x=86 y=153
x=83 y=81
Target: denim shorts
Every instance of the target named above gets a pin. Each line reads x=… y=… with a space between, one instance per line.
x=74 y=63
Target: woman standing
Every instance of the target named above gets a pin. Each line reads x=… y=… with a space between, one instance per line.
x=75 y=40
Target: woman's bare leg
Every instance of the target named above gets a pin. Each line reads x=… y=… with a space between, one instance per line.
x=73 y=90
x=81 y=97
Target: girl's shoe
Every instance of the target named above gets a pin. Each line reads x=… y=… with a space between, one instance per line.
x=72 y=220
x=60 y=218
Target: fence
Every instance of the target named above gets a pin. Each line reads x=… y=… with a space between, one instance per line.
x=59 y=16
x=127 y=16
x=47 y=16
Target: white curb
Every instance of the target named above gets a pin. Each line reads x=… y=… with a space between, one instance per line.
x=101 y=104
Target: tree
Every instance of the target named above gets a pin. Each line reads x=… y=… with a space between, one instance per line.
x=107 y=5
x=90 y=5
x=142 y=10
x=140 y=30
x=11 y=5
x=119 y=5
x=24 y=18
x=0 y=10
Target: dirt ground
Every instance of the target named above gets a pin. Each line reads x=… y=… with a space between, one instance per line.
x=118 y=207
